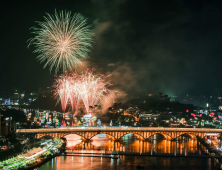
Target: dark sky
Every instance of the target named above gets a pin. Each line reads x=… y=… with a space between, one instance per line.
x=148 y=46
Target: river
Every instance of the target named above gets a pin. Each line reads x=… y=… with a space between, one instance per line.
x=159 y=148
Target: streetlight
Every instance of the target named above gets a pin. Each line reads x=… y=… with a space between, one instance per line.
x=208 y=111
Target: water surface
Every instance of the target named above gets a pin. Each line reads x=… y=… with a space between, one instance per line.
x=129 y=144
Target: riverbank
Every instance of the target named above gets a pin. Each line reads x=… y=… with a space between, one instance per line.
x=47 y=158
x=216 y=156
x=34 y=156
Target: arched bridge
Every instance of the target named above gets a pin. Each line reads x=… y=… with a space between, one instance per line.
x=143 y=133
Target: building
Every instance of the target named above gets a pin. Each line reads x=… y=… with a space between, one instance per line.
x=200 y=101
x=5 y=126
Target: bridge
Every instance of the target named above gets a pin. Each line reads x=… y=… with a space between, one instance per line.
x=142 y=133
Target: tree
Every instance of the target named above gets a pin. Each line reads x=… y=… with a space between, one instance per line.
x=46 y=102
x=17 y=115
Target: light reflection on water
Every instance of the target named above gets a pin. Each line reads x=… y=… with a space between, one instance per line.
x=157 y=146
x=127 y=163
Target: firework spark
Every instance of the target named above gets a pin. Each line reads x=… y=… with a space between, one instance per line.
x=62 y=40
x=88 y=88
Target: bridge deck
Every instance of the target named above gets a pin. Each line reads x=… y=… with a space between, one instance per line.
x=119 y=129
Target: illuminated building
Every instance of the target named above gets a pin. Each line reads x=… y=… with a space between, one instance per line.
x=5 y=125
x=87 y=118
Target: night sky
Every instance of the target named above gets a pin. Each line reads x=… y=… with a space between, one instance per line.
x=149 y=46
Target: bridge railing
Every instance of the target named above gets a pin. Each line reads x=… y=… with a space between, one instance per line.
x=70 y=129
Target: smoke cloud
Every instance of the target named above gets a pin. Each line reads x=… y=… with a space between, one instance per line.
x=140 y=56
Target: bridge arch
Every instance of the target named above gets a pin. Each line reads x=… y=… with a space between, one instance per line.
x=64 y=135
x=188 y=134
x=134 y=133
x=112 y=137
x=166 y=136
x=59 y=135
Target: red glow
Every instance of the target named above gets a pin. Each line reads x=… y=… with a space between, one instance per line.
x=187 y=110
x=193 y=114
x=63 y=123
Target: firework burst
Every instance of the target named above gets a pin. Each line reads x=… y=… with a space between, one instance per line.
x=62 y=40
x=88 y=88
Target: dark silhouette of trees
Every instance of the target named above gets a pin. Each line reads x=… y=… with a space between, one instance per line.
x=46 y=102
x=17 y=115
